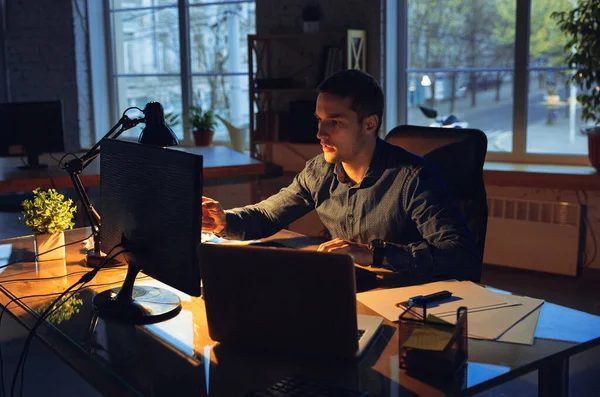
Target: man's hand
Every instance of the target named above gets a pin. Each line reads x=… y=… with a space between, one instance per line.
x=360 y=253
x=213 y=216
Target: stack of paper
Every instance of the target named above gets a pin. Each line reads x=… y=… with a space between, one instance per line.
x=491 y=315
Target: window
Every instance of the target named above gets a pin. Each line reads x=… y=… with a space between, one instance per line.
x=208 y=67
x=477 y=60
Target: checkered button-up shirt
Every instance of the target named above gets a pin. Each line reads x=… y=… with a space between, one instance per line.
x=401 y=200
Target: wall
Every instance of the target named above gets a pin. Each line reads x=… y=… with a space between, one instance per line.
x=46 y=61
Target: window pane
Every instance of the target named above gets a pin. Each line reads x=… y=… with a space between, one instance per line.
x=489 y=107
x=118 y=4
x=546 y=42
x=443 y=34
x=442 y=44
x=137 y=91
x=553 y=115
x=218 y=37
x=146 y=41
x=219 y=1
x=227 y=96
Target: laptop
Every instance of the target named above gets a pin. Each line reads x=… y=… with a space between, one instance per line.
x=301 y=302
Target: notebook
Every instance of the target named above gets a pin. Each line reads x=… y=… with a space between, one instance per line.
x=283 y=299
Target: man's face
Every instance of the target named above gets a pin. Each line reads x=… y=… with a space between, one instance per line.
x=341 y=135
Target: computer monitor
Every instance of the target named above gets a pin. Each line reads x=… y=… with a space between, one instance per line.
x=30 y=129
x=151 y=200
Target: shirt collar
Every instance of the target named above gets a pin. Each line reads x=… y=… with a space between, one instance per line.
x=378 y=161
x=376 y=167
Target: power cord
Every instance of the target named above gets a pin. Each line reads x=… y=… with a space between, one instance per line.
x=86 y=278
x=32 y=257
x=15 y=299
x=588 y=225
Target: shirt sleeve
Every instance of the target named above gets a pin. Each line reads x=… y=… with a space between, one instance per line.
x=448 y=248
x=272 y=214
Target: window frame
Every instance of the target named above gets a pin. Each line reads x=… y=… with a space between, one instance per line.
x=397 y=15
x=185 y=68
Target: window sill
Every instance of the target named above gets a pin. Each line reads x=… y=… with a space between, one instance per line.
x=567 y=177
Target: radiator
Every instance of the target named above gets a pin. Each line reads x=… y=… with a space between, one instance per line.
x=534 y=235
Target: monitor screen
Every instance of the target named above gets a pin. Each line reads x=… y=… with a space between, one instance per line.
x=30 y=129
x=152 y=198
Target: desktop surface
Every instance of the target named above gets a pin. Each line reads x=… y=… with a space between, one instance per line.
x=177 y=357
x=219 y=162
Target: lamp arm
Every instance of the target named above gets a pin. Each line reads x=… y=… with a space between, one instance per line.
x=125 y=123
x=75 y=166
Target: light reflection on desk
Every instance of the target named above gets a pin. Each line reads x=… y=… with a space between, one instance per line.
x=480 y=372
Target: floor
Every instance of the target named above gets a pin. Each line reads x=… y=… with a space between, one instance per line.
x=49 y=376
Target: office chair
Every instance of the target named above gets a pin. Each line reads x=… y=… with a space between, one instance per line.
x=459 y=155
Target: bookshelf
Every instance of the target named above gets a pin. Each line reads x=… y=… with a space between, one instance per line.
x=284 y=71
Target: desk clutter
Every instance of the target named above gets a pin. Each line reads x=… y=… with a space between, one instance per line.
x=493 y=315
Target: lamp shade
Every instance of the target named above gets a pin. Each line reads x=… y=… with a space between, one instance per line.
x=157 y=132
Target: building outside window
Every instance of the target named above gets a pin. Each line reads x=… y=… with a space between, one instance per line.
x=180 y=54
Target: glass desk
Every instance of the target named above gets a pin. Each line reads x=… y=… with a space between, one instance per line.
x=177 y=357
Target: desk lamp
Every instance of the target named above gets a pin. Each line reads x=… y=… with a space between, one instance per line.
x=156 y=133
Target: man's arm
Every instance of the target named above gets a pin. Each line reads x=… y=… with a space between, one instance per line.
x=271 y=215
x=448 y=248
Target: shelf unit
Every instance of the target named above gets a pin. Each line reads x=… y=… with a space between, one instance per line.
x=303 y=60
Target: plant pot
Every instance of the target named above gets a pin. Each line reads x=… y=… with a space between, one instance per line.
x=50 y=242
x=593 y=134
x=203 y=138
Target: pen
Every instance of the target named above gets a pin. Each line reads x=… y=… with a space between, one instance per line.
x=420 y=299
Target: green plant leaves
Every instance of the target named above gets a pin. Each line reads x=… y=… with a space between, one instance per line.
x=48 y=212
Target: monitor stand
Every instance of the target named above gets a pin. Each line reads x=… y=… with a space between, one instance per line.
x=136 y=305
x=33 y=163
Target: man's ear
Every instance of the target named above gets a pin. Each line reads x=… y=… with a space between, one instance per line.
x=371 y=122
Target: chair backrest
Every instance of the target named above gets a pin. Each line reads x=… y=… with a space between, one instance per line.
x=459 y=155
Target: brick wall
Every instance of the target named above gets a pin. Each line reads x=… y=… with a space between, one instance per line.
x=46 y=62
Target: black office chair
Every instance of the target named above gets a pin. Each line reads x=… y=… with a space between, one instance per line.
x=458 y=154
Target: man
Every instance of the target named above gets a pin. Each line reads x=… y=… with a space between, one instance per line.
x=381 y=204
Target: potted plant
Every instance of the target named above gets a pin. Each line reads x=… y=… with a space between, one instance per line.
x=582 y=26
x=202 y=125
x=172 y=119
x=311 y=15
x=48 y=215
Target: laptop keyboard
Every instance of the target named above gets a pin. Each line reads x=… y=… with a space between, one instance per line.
x=301 y=387
x=360 y=333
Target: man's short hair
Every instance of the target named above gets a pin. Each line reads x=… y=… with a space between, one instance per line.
x=366 y=94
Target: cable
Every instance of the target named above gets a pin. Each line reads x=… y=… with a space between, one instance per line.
x=53 y=158
x=65 y=155
x=28 y=258
x=129 y=108
x=588 y=225
x=83 y=280
x=15 y=299
x=53 y=277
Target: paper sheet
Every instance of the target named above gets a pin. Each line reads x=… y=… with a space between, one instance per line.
x=490 y=314
x=469 y=294
x=494 y=323
x=523 y=332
